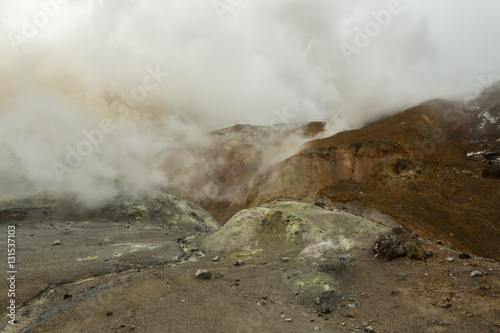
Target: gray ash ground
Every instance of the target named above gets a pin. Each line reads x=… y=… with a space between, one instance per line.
x=139 y=276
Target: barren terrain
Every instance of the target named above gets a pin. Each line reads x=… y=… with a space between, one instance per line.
x=140 y=277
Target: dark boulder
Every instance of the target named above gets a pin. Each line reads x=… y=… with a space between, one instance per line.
x=395 y=243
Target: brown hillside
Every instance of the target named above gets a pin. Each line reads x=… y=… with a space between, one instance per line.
x=413 y=166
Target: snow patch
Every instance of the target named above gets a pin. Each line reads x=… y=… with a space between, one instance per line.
x=492 y=119
x=475 y=153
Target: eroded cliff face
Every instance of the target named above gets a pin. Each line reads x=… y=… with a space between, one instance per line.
x=242 y=153
x=413 y=166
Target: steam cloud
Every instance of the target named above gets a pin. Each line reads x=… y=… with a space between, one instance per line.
x=103 y=97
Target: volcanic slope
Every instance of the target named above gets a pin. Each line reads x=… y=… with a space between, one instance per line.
x=427 y=167
x=238 y=154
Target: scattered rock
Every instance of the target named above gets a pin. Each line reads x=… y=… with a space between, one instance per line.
x=328 y=300
x=285 y=259
x=203 y=274
x=320 y=202
x=445 y=303
x=216 y=258
x=369 y=329
x=450 y=259
x=414 y=251
x=344 y=258
x=464 y=255
x=56 y=242
x=414 y=235
x=439 y=242
x=326 y=308
x=288 y=320
x=315 y=328
x=351 y=306
x=240 y=263
x=109 y=313
x=476 y=273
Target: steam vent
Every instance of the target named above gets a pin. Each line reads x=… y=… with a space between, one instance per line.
x=249 y=166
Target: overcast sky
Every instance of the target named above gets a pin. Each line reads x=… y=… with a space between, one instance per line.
x=241 y=59
x=184 y=66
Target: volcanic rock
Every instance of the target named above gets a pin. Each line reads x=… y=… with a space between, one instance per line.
x=391 y=244
x=464 y=255
x=476 y=273
x=203 y=274
x=414 y=251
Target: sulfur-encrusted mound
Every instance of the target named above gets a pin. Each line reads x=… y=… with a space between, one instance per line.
x=290 y=228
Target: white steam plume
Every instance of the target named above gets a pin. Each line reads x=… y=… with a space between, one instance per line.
x=133 y=87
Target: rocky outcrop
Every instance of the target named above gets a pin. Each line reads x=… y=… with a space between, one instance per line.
x=291 y=229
